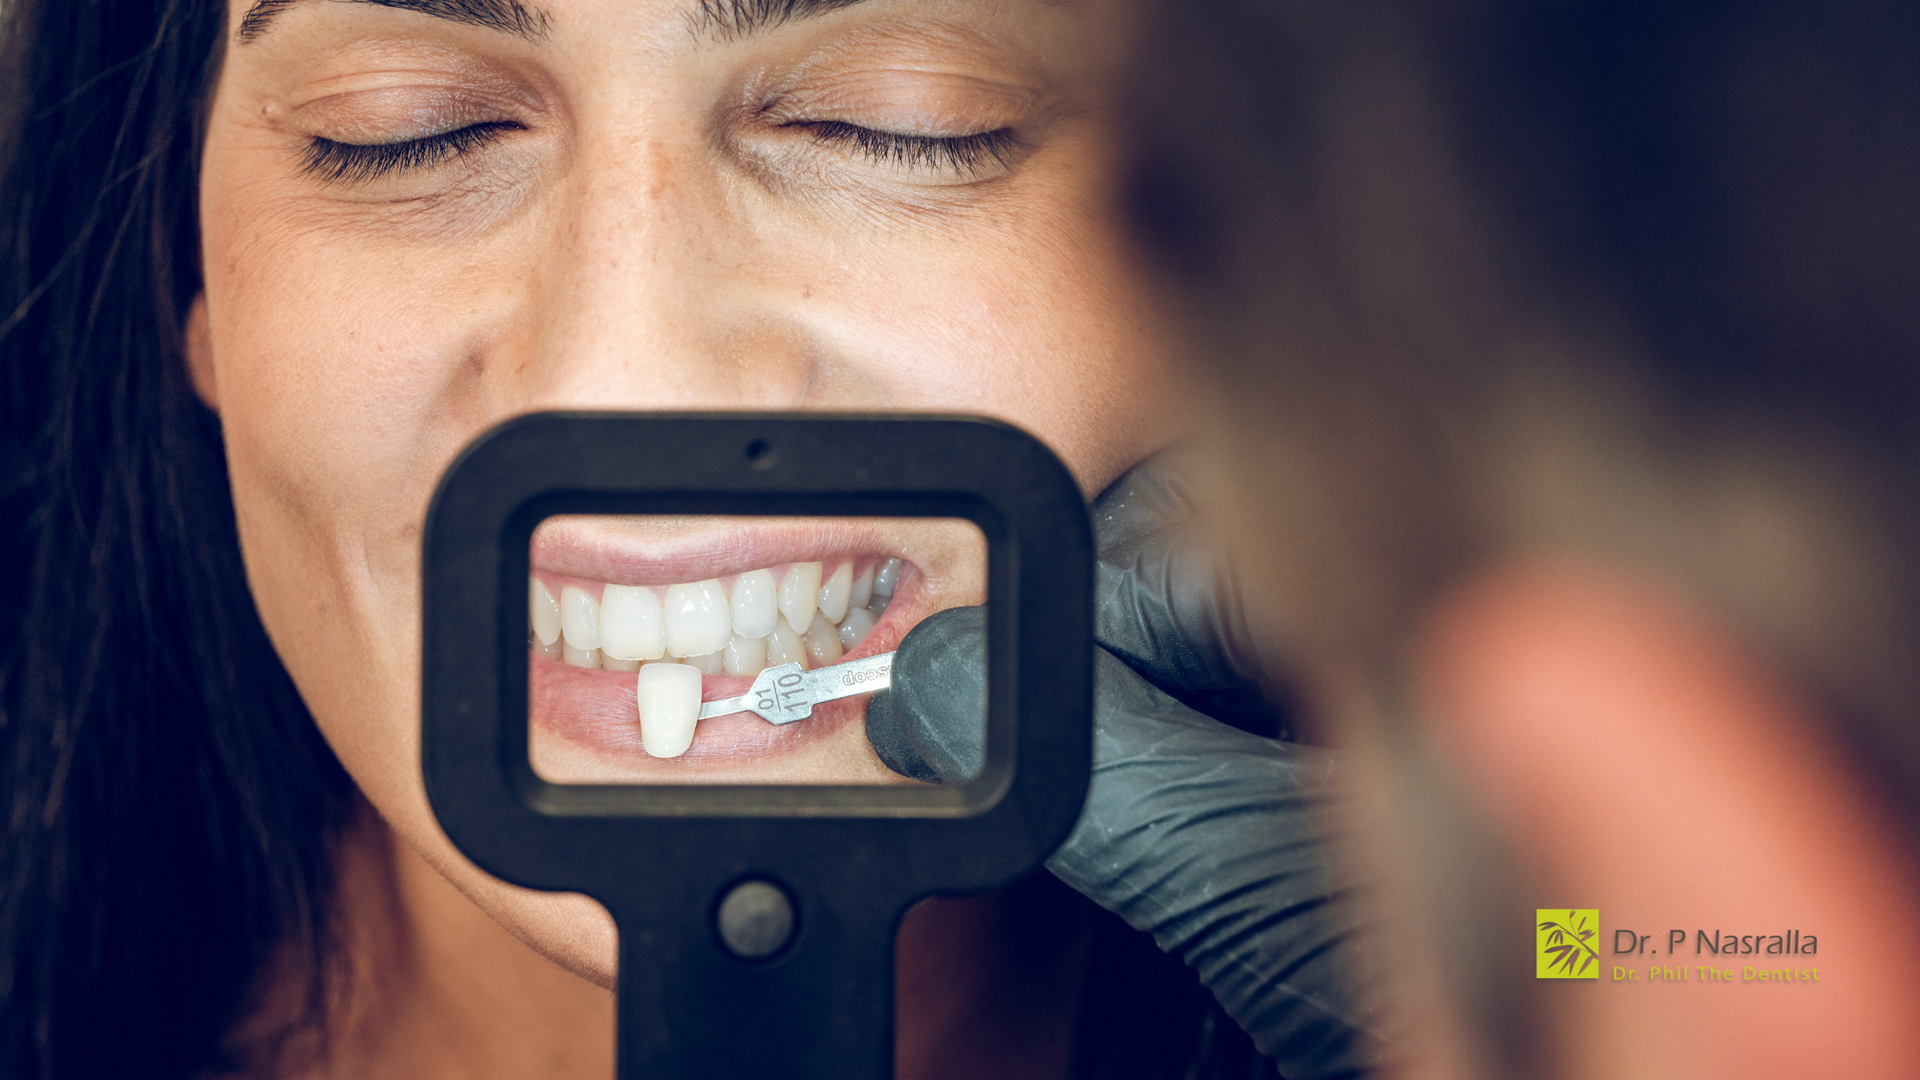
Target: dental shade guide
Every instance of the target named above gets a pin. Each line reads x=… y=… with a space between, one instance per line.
x=756 y=922
x=781 y=695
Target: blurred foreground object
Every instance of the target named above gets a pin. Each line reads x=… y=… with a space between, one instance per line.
x=1569 y=372
x=1218 y=842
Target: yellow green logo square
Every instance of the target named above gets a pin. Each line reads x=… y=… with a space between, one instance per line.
x=1564 y=943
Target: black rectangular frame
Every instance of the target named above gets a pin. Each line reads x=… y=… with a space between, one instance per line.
x=853 y=857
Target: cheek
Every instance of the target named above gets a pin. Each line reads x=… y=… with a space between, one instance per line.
x=340 y=365
x=1037 y=317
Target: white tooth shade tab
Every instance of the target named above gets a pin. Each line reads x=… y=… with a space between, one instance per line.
x=836 y=592
x=822 y=642
x=579 y=619
x=856 y=626
x=862 y=587
x=543 y=612
x=669 y=698
x=632 y=626
x=746 y=655
x=784 y=647
x=800 y=594
x=755 y=604
x=696 y=617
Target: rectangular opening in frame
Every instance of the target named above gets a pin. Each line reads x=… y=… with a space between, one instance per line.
x=711 y=650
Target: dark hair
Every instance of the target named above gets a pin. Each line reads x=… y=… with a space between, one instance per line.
x=169 y=800
x=171 y=804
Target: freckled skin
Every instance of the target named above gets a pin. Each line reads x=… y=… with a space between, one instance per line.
x=637 y=235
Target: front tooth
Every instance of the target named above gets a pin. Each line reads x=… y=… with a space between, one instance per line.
x=756 y=603
x=543 y=612
x=713 y=663
x=579 y=619
x=631 y=624
x=669 y=697
x=588 y=658
x=784 y=646
x=549 y=649
x=836 y=592
x=822 y=642
x=615 y=663
x=887 y=578
x=858 y=625
x=863 y=587
x=798 y=595
x=746 y=655
x=697 y=619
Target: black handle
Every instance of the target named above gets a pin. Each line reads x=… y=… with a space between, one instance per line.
x=689 y=1009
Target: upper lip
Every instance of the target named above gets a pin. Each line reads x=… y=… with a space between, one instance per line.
x=661 y=550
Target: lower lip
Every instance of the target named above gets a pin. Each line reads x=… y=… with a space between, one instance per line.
x=596 y=709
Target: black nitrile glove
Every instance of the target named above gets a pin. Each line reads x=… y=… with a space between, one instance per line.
x=1168 y=607
x=1213 y=840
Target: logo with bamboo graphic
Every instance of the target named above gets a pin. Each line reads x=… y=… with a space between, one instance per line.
x=1564 y=941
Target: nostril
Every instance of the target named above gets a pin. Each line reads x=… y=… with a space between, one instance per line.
x=760 y=454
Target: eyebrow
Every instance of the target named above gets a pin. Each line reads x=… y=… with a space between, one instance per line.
x=733 y=19
x=508 y=16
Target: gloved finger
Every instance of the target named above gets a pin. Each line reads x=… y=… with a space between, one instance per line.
x=1166 y=602
x=931 y=723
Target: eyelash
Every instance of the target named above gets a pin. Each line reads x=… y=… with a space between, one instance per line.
x=338 y=162
x=966 y=155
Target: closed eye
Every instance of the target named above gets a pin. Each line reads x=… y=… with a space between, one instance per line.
x=962 y=155
x=354 y=163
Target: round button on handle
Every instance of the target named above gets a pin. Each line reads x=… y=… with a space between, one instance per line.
x=755 y=919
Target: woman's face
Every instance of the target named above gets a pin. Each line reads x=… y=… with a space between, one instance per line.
x=422 y=217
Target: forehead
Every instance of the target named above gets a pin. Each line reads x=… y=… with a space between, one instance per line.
x=724 y=18
x=1078 y=48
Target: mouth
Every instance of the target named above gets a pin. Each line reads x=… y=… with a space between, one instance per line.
x=632 y=626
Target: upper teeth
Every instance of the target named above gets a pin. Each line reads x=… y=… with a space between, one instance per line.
x=800 y=595
x=631 y=625
x=762 y=618
x=696 y=617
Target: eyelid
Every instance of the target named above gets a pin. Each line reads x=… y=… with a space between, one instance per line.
x=934 y=105
x=353 y=76
x=332 y=161
x=388 y=105
x=385 y=117
x=919 y=124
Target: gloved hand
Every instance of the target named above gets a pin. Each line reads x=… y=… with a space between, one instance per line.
x=1168 y=607
x=1214 y=840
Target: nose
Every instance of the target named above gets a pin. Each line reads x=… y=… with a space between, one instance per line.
x=651 y=283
